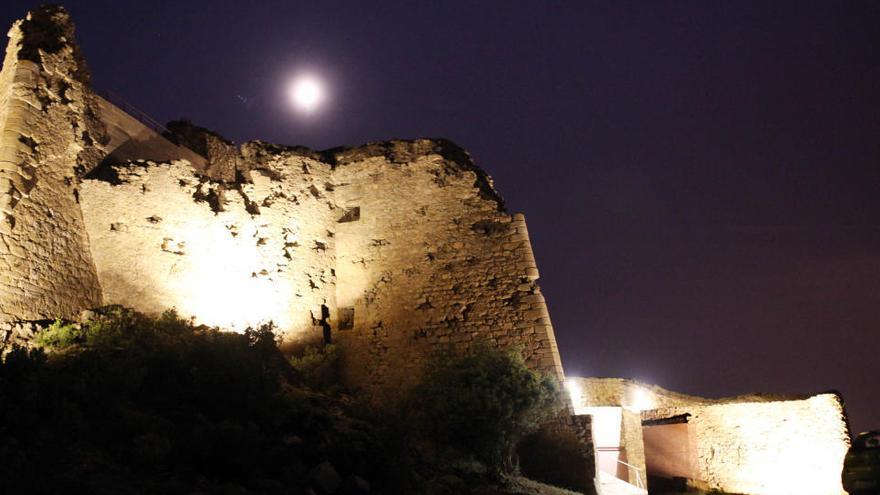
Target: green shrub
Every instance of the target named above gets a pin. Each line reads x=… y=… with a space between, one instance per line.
x=159 y=405
x=59 y=335
x=114 y=326
x=153 y=405
x=318 y=365
x=480 y=403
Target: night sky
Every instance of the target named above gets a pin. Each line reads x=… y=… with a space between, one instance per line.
x=701 y=179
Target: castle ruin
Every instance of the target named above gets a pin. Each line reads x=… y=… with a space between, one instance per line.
x=390 y=250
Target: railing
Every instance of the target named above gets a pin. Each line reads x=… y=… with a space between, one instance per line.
x=141 y=117
x=638 y=470
x=135 y=112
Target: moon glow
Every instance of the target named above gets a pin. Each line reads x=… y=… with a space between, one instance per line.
x=307 y=93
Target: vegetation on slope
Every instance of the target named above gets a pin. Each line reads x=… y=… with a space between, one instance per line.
x=131 y=404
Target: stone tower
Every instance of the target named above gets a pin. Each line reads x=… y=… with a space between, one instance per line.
x=49 y=131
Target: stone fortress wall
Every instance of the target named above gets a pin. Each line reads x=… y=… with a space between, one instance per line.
x=390 y=249
x=755 y=444
x=432 y=261
x=48 y=132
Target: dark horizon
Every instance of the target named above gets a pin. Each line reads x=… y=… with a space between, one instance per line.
x=701 y=180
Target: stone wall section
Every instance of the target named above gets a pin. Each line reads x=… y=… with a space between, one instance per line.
x=48 y=129
x=431 y=262
x=19 y=334
x=409 y=236
x=562 y=454
x=228 y=255
x=392 y=249
x=392 y=252
x=753 y=444
x=632 y=440
x=775 y=447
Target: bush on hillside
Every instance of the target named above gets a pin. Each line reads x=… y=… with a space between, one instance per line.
x=319 y=366
x=481 y=403
x=130 y=404
x=142 y=405
x=58 y=335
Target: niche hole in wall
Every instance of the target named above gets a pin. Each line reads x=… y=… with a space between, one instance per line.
x=346 y=318
x=351 y=215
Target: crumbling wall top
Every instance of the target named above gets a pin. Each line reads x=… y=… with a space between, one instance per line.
x=50 y=29
x=603 y=392
x=406 y=151
x=224 y=160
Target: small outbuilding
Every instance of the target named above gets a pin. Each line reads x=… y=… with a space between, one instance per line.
x=753 y=444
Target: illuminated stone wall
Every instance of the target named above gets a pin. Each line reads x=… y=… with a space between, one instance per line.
x=631 y=434
x=751 y=444
x=231 y=256
x=769 y=447
x=48 y=130
x=390 y=249
x=393 y=250
x=403 y=244
x=431 y=261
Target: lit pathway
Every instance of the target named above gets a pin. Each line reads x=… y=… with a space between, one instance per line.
x=610 y=485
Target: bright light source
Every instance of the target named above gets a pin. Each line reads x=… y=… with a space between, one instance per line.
x=575 y=393
x=642 y=400
x=307 y=93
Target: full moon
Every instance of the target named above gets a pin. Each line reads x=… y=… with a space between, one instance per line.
x=306 y=93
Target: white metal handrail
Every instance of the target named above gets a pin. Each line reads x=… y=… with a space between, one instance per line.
x=638 y=470
x=133 y=111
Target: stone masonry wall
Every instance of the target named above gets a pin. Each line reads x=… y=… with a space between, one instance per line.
x=752 y=444
x=775 y=447
x=431 y=261
x=391 y=250
x=231 y=256
x=632 y=440
x=48 y=129
x=409 y=237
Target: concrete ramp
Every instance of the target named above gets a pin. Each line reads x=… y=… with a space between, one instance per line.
x=610 y=485
x=132 y=139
